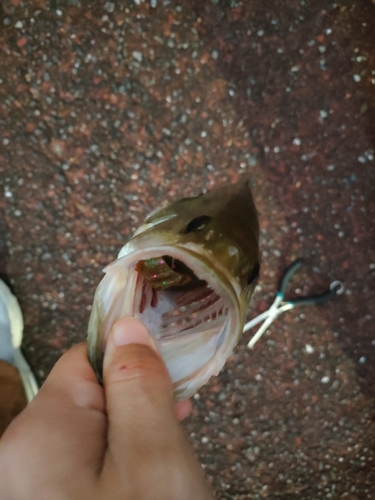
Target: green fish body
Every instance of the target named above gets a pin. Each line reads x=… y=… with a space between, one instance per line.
x=188 y=274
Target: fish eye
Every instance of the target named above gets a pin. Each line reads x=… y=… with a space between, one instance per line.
x=254 y=273
x=197 y=223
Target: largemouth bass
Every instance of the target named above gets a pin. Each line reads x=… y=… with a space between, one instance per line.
x=188 y=274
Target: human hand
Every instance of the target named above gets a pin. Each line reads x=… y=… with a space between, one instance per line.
x=78 y=440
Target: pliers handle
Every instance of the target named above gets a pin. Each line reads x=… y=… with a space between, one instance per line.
x=280 y=305
x=336 y=288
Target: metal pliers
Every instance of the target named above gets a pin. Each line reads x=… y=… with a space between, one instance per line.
x=280 y=305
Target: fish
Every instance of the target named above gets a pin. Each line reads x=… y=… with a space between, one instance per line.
x=188 y=273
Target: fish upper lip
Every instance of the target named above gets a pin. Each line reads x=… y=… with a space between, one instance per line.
x=165 y=242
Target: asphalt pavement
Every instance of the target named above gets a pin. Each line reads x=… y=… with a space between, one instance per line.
x=111 y=109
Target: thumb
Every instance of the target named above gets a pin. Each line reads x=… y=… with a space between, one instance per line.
x=148 y=455
x=139 y=392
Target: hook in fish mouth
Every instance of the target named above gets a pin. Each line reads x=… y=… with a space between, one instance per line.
x=173 y=302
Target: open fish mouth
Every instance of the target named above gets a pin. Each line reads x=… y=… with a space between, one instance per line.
x=191 y=313
x=172 y=310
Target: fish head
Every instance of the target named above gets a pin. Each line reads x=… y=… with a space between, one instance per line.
x=188 y=273
x=221 y=225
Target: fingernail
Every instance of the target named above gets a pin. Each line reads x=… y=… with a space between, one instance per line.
x=131 y=331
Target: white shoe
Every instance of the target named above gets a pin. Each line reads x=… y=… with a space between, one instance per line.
x=14 y=323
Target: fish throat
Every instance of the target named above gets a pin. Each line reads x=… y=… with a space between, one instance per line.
x=173 y=301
